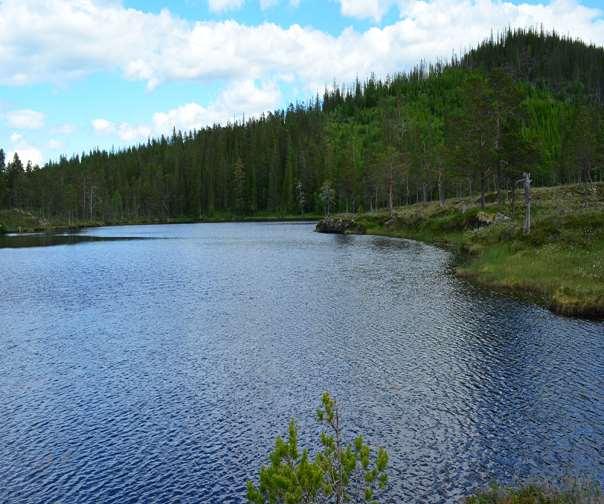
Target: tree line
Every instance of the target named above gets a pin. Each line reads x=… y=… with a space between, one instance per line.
x=524 y=101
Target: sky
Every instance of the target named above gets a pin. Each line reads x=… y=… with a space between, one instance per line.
x=81 y=74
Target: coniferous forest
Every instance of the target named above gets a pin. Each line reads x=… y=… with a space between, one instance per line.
x=522 y=101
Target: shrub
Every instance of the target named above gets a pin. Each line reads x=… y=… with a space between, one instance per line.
x=339 y=473
x=571 y=491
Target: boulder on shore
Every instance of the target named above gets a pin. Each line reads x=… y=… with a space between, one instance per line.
x=339 y=225
x=486 y=219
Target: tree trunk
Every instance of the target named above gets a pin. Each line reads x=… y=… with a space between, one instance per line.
x=498 y=181
x=441 y=189
x=482 y=202
x=390 y=190
x=376 y=198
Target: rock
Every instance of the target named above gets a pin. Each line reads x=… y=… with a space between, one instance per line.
x=499 y=217
x=339 y=225
x=391 y=223
x=486 y=219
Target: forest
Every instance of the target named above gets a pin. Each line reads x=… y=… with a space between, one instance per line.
x=522 y=101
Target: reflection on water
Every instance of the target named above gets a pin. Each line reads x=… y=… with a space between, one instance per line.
x=49 y=239
x=161 y=370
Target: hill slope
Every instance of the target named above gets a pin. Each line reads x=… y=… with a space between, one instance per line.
x=418 y=136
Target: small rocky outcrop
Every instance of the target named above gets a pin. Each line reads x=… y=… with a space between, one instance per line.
x=486 y=219
x=392 y=223
x=339 y=225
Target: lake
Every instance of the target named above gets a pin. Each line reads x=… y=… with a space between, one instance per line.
x=161 y=367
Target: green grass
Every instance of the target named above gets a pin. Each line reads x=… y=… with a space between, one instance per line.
x=20 y=221
x=567 y=278
x=571 y=491
x=560 y=264
x=12 y=221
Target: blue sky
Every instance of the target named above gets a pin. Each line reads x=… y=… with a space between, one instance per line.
x=77 y=74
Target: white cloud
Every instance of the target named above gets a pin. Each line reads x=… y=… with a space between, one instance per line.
x=239 y=99
x=130 y=133
x=124 y=131
x=267 y=4
x=25 y=150
x=373 y=9
x=55 y=144
x=225 y=5
x=58 y=40
x=219 y=6
x=63 y=129
x=27 y=154
x=25 y=119
x=102 y=126
x=16 y=138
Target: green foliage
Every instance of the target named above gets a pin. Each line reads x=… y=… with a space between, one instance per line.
x=327 y=197
x=19 y=220
x=559 y=264
x=338 y=473
x=527 y=101
x=239 y=188
x=571 y=491
x=300 y=197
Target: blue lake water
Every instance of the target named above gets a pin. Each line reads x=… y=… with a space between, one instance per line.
x=160 y=369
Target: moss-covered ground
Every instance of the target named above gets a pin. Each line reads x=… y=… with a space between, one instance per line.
x=560 y=263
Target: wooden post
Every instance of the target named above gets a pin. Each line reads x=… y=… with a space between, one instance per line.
x=390 y=190
x=527 y=202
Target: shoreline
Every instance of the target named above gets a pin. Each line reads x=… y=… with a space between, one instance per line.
x=463 y=259
x=559 y=265
x=61 y=227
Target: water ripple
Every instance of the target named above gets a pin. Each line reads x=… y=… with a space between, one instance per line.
x=161 y=370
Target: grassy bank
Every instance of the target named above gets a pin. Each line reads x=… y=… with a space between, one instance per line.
x=571 y=491
x=20 y=221
x=560 y=264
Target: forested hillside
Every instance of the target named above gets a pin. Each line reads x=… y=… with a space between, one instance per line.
x=526 y=101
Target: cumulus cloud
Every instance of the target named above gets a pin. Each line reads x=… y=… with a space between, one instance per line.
x=102 y=126
x=267 y=4
x=55 y=144
x=237 y=100
x=57 y=40
x=373 y=9
x=25 y=119
x=24 y=149
x=240 y=99
x=130 y=133
x=16 y=138
x=224 y=5
x=219 y=6
x=63 y=129
x=124 y=131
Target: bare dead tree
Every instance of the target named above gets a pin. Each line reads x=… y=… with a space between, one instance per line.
x=526 y=182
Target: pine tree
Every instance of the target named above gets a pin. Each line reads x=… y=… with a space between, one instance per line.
x=239 y=187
